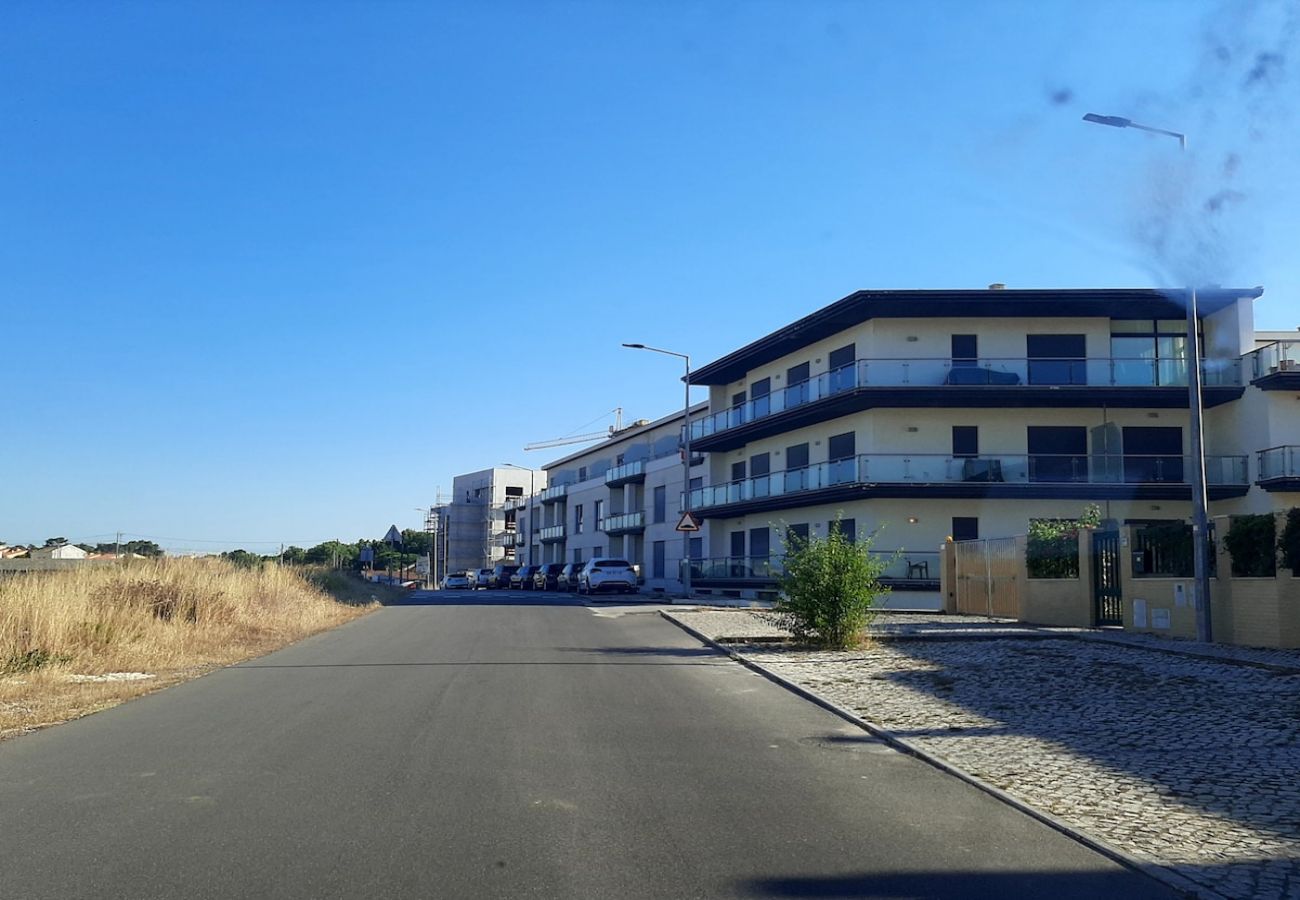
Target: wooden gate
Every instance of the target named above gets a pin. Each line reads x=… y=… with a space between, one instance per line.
x=988 y=578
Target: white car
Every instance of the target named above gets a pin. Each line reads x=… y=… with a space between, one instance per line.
x=480 y=578
x=455 y=581
x=600 y=575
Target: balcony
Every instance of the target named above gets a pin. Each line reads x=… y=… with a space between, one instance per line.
x=986 y=383
x=552 y=534
x=1037 y=476
x=1276 y=366
x=509 y=539
x=1279 y=468
x=554 y=493
x=909 y=570
x=624 y=523
x=513 y=504
x=628 y=473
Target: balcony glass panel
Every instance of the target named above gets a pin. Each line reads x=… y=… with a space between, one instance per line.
x=1278 y=462
x=925 y=468
x=1280 y=356
x=625 y=472
x=551 y=533
x=1008 y=372
x=553 y=492
x=624 y=522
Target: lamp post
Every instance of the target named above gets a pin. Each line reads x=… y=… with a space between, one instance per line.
x=1200 y=510
x=529 y=508
x=686 y=463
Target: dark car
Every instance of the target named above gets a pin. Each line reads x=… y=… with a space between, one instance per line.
x=500 y=577
x=522 y=579
x=567 y=580
x=545 y=579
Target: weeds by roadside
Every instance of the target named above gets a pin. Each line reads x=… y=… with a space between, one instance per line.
x=169 y=618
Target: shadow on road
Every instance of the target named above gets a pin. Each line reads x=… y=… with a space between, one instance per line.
x=489 y=598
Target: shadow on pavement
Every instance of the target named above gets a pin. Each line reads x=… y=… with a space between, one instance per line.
x=489 y=598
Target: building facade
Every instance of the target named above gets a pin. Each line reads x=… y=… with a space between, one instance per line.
x=620 y=498
x=478 y=528
x=920 y=416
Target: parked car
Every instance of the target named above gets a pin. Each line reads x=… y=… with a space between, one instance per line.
x=567 y=580
x=545 y=577
x=455 y=580
x=480 y=578
x=522 y=579
x=601 y=575
x=501 y=576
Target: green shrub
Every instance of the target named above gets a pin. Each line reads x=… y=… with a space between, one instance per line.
x=1252 y=542
x=1289 y=542
x=830 y=588
x=1052 y=548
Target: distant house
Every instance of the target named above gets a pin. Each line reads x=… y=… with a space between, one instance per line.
x=63 y=551
x=7 y=552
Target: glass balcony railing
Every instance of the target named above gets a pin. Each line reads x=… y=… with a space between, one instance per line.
x=627 y=472
x=553 y=493
x=919 y=468
x=906 y=565
x=551 y=534
x=624 y=522
x=1280 y=356
x=1279 y=462
x=998 y=372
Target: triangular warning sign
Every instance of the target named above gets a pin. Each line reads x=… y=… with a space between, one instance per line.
x=688 y=523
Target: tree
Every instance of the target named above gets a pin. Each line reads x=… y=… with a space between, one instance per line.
x=333 y=552
x=55 y=542
x=830 y=587
x=243 y=558
x=294 y=556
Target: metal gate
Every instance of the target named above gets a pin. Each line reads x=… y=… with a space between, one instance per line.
x=1108 y=599
x=988 y=578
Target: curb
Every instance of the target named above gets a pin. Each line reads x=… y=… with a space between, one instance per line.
x=1153 y=870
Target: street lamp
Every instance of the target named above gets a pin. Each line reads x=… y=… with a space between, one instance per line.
x=529 y=507
x=686 y=464
x=1200 y=510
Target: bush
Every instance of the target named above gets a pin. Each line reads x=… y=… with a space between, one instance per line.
x=1252 y=542
x=1052 y=548
x=1289 y=542
x=830 y=588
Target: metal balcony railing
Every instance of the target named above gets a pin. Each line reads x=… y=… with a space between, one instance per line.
x=1279 y=462
x=1279 y=356
x=624 y=522
x=551 y=534
x=628 y=472
x=1012 y=373
x=922 y=468
x=553 y=493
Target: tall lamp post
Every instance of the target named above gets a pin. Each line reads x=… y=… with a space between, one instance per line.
x=686 y=463
x=1200 y=510
x=529 y=507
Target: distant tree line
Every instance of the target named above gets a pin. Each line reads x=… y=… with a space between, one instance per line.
x=340 y=555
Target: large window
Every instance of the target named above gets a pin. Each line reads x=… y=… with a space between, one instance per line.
x=1057 y=358
x=1149 y=353
x=659 y=508
x=577 y=519
x=657 y=559
x=1058 y=453
x=796 y=468
x=965 y=528
x=841 y=451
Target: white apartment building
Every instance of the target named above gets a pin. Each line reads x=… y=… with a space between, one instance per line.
x=477 y=528
x=920 y=415
x=619 y=498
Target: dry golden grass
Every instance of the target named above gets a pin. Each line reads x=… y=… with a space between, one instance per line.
x=173 y=619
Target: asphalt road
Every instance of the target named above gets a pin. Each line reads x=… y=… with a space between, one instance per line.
x=494 y=746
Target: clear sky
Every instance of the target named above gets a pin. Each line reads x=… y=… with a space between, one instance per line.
x=274 y=271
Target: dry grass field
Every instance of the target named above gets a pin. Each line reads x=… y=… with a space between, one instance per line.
x=76 y=641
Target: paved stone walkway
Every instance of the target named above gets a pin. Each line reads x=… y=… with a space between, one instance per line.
x=1183 y=761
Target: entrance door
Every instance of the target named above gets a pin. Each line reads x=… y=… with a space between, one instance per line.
x=1108 y=600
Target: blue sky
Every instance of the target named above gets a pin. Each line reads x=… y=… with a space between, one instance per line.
x=272 y=272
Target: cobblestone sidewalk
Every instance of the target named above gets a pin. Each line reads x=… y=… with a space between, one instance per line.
x=1186 y=762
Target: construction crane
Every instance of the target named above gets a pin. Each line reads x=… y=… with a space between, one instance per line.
x=583 y=438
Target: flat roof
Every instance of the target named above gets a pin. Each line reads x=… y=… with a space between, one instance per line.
x=860 y=306
x=630 y=433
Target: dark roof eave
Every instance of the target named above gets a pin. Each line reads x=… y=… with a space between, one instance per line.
x=860 y=306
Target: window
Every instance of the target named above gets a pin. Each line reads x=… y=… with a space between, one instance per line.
x=697 y=483
x=660 y=507
x=598 y=510
x=759 y=391
x=697 y=548
x=514 y=491
x=577 y=556
x=965 y=528
x=738 y=471
x=796 y=468
x=738 y=543
x=1058 y=453
x=796 y=536
x=582 y=473
x=965 y=350
x=841 y=449
x=597 y=551
x=1057 y=358
x=846 y=527
x=796 y=385
x=657 y=559
x=577 y=519
x=840 y=365
x=965 y=441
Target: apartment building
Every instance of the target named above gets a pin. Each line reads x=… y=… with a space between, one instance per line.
x=920 y=415
x=619 y=498
x=478 y=527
